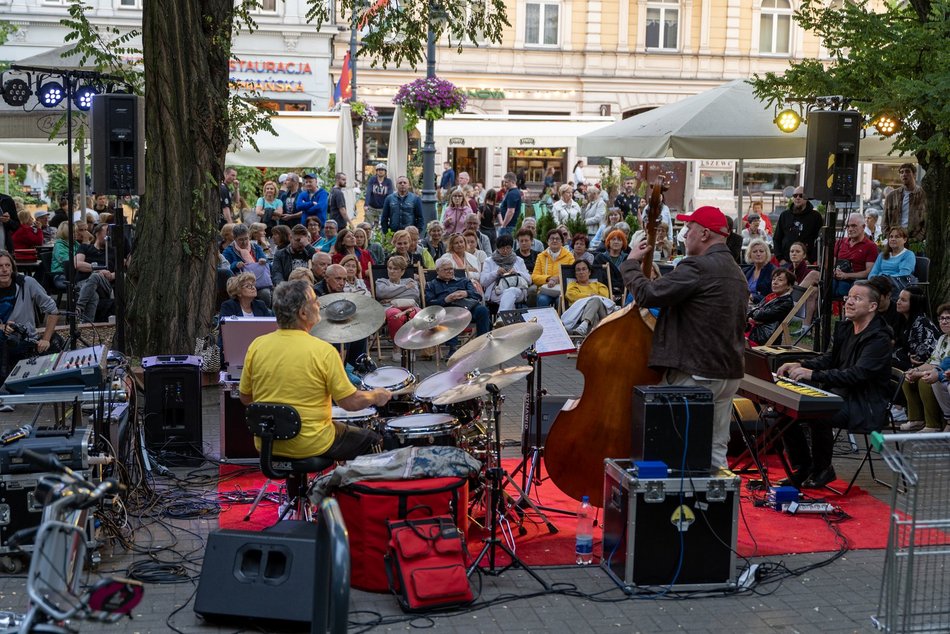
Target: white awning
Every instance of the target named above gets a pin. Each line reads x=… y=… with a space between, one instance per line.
x=33 y=152
x=474 y=131
x=320 y=127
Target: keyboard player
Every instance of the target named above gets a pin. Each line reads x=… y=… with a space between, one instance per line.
x=857 y=368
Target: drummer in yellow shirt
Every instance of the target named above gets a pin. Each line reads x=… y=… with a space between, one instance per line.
x=292 y=367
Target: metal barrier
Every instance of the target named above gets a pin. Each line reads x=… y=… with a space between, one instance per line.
x=914 y=593
x=331 y=601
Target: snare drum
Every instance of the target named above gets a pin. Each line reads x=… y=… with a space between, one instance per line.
x=421 y=430
x=365 y=418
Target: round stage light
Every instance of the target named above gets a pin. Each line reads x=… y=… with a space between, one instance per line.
x=886 y=125
x=51 y=94
x=16 y=92
x=788 y=120
x=84 y=95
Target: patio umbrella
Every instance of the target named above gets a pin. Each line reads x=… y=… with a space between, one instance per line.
x=284 y=148
x=398 y=146
x=346 y=157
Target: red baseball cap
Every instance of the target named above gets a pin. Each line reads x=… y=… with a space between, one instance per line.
x=710 y=217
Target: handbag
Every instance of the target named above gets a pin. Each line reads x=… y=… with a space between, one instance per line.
x=261 y=274
x=467 y=303
x=512 y=280
x=207 y=349
x=425 y=564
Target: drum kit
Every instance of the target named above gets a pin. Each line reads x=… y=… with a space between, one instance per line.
x=458 y=407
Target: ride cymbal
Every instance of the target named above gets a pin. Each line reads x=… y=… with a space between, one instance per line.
x=348 y=317
x=478 y=387
x=497 y=346
x=432 y=326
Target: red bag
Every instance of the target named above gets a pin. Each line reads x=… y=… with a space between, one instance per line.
x=425 y=565
x=367 y=506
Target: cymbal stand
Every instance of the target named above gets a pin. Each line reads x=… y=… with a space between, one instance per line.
x=495 y=475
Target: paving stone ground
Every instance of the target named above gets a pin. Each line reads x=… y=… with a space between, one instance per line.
x=840 y=597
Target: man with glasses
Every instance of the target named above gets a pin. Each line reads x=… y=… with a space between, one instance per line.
x=855 y=254
x=857 y=368
x=801 y=222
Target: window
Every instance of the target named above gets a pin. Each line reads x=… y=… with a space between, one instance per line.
x=541 y=24
x=775 y=27
x=663 y=18
x=130 y=4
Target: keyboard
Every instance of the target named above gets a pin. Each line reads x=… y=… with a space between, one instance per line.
x=796 y=399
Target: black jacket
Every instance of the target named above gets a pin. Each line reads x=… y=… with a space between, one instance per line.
x=283 y=263
x=794 y=227
x=862 y=379
x=768 y=316
x=232 y=308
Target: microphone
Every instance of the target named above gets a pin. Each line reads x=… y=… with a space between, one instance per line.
x=16 y=434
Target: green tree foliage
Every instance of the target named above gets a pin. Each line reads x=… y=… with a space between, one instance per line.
x=888 y=59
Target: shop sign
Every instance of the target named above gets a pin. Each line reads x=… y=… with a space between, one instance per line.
x=526 y=141
x=717 y=165
x=267 y=85
x=456 y=140
x=484 y=93
x=269 y=66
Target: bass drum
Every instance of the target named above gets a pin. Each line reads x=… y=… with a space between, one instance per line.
x=421 y=430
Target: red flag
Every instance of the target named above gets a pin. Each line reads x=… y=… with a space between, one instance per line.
x=345 y=91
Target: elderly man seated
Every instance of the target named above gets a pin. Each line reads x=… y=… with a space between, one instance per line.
x=333 y=282
x=447 y=290
x=317 y=378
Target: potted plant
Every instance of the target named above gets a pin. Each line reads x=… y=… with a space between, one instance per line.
x=429 y=98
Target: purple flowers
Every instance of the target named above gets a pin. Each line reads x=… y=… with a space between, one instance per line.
x=432 y=98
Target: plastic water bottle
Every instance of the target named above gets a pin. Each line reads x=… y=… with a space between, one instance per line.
x=584 y=546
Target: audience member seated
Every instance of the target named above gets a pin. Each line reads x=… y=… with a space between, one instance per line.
x=473 y=224
x=402 y=246
x=597 y=243
x=447 y=290
x=354 y=275
x=664 y=249
x=335 y=282
x=766 y=316
x=363 y=233
x=415 y=247
x=855 y=254
x=318 y=271
x=578 y=247
x=524 y=248
x=95 y=275
x=504 y=276
x=896 y=261
x=399 y=296
x=754 y=231
x=923 y=409
x=346 y=245
x=588 y=300
x=244 y=303
x=531 y=225
x=29 y=235
x=757 y=210
x=546 y=274
x=317 y=378
x=433 y=241
x=613 y=257
x=857 y=368
x=915 y=334
x=759 y=272
x=471 y=247
x=295 y=255
x=313 y=228
x=280 y=238
x=464 y=260
x=258 y=232
x=61 y=251
x=327 y=242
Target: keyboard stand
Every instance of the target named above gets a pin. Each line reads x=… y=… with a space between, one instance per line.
x=772 y=429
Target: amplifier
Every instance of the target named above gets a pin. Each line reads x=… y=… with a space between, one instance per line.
x=659 y=425
x=551 y=406
x=652 y=528
x=237 y=441
x=71 y=449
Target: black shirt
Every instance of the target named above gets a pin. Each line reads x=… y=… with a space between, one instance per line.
x=334 y=205
x=7 y=302
x=529 y=260
x=225 y=194
x=627 y=204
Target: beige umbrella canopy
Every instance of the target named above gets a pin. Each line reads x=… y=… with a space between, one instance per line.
x=398 y=159
x=346 y=157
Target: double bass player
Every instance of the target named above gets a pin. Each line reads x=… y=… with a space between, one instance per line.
x=698 y=339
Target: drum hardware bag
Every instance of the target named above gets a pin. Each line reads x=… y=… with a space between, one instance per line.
x=367 y=506
x=425 y=564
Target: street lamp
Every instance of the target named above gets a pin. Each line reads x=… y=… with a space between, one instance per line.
x=436 y=15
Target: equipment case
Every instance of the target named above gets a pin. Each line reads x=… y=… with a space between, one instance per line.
x=642 y=519
x=19 y=509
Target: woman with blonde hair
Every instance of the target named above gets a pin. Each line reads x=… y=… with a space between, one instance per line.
x=269 y=208
x=433 y=241
x=759 y=274
x=354 y=274
x=27 y=236
x=243 y=302
x=453 y=218
x=462 y=259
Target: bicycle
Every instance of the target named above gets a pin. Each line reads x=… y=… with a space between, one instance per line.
x=53 y=582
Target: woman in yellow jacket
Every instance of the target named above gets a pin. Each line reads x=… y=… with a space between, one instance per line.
x=547 y=272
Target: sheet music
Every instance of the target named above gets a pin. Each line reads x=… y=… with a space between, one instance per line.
x=554 y=339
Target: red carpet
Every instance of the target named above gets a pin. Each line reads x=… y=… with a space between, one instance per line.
x=762 y=531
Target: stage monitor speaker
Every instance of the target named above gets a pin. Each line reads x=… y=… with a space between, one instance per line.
x=262 y=575
x=831 y=155
x=118 y=144
x=551 y=405
x=173 y=404
x=660 y=426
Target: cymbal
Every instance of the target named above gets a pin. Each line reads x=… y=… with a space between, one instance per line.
x=478 y=387
x=497 y=346
x=348 y=317
x=432 y=326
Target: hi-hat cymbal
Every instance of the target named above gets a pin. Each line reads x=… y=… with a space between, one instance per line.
x=497 y=346
x=348 y=317
x=432 y=326
x=478 y=387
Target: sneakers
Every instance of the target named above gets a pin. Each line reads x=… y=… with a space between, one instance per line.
x=912 y=425
x=582 y=328
x=6 y=408
x=930 y=430
x=898 y=414
x=821 y=478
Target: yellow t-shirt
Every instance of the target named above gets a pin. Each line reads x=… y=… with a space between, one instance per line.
x=577 y=291
x=294 y=368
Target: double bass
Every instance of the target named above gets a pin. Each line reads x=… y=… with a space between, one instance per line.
x=613 y=360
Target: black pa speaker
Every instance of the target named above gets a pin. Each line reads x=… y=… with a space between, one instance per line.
x=118 y=144
x=661 y=415
x=173 y=404
x=831 y=155
x=262 y=575
x=551 y=405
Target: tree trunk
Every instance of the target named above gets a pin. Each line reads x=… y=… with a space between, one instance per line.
x=936 y=185
x=172 y=282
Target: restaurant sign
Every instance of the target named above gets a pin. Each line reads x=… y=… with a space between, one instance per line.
x=268 y=67
x=456 y=140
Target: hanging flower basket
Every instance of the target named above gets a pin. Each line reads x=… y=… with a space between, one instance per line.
x=359 y=111
x=430 y=99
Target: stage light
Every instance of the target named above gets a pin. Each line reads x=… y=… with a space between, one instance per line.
x=51 y=94
x=16 y=92
x=788 y=120
x=887 y=125
x=84 y=95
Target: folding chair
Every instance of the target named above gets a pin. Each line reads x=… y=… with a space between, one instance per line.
x=378 y=271
x=797 y=307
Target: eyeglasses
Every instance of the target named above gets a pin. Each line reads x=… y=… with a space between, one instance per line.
x=249 y=285
x=798 y=195
x=943 y=318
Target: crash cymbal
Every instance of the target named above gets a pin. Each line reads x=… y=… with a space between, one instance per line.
x=478 y=387
x=348 y=317
x=497 y=346
x=432 y=326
